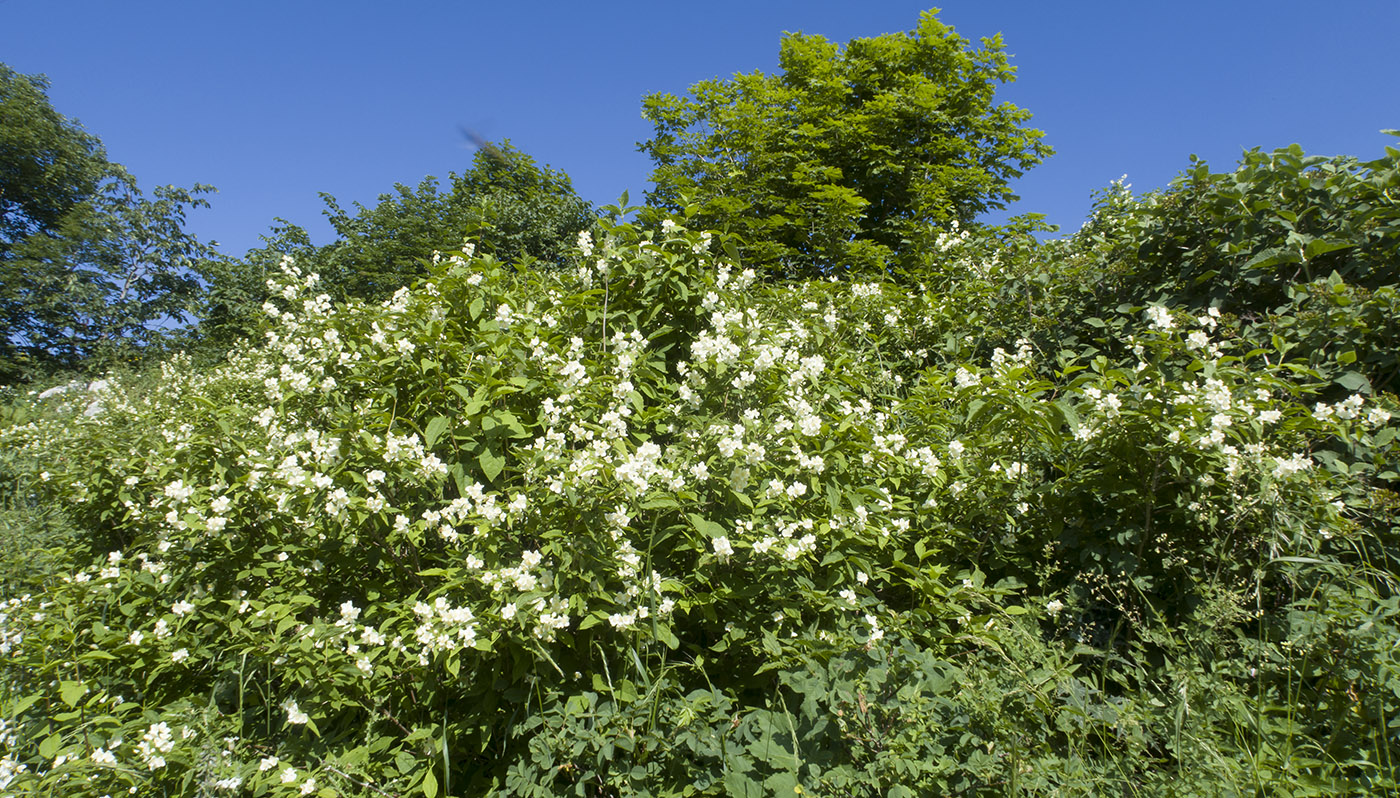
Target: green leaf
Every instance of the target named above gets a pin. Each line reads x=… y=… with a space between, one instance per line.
x=434 y=430
x=491 y=464
x=1354 y=381
x=1320 y=246
x=430 y=785
x=23 y=703
x=70 y=692
x=50 y=746
x=705 y=526
x=737 y=785
x=1271 y=257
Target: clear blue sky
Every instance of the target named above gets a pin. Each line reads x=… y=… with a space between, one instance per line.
x=273 y=102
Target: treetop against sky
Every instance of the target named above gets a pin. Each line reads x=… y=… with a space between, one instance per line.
x=274 y=103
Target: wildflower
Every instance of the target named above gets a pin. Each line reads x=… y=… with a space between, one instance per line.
x=1284 y=467
x=1054 y=607
x=156 y=741
x=180 y=655
x=1160 y=317
x=723 y=548
x=876 y=633
x=294 y=713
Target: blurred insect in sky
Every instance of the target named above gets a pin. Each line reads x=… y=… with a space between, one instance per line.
x=483 y=145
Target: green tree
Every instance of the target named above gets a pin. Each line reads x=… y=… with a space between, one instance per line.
x=49 y=163
x=92 y=271
x=514 y=209
x=519 y=211
x=850 y=158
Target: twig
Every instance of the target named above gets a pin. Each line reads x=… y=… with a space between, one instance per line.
x=350 y=778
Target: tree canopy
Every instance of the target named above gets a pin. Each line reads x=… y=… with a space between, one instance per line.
x=90 y=268
x=513 y=208
x=851 y=157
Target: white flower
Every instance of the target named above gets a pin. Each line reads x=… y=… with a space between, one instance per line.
x=349 y=612
x=1284 y=467
x=876 y=633
x=1054 y=607
x=180 y=655
x=268 y=763
x=289 y=775
x=104 y=757
x=722 y=547
x=182 y=607
x=1160 y=317
x=294 y=713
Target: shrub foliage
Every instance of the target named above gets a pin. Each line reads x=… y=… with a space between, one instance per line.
x=648 y=526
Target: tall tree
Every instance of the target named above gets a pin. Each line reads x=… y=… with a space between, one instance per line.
x=851 y=158
x=91 y=270
x=519 y=211
x=515 y=209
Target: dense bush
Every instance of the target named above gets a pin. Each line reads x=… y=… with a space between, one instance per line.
x=649 y=527
x=1300 y=247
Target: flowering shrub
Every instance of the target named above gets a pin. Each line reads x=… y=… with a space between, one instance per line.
x=649 y=526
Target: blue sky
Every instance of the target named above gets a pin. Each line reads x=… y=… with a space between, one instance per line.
x=273 y=102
